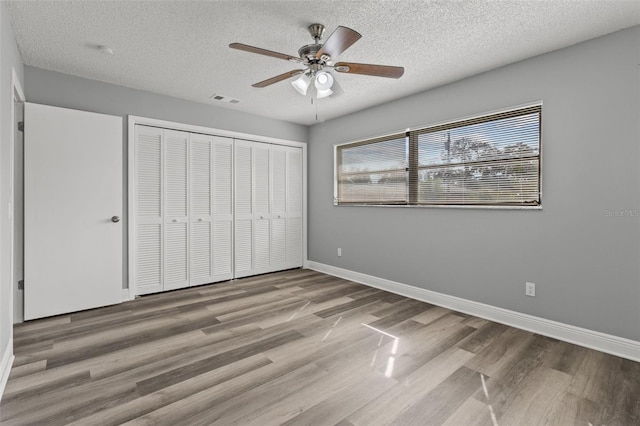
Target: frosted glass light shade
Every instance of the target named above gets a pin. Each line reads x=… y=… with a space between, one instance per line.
x=323 y=93
x=301 y=84
x=324 y=81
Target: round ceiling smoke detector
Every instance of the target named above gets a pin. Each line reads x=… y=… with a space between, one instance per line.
x=105 y=50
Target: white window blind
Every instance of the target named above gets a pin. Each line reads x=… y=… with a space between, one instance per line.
x=373 y=172
x=493 y=160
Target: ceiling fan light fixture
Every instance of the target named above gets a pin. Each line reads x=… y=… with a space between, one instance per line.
x=301 y=84
x=323 y=82
x=323 y=93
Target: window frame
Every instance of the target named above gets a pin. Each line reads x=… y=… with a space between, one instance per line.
x=413 y=167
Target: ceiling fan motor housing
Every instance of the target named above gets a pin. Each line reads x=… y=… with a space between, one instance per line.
x=308 y=53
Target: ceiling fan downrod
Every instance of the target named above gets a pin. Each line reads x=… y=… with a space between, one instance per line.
x=317 y=31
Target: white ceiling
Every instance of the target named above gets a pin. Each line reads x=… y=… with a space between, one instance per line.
x=180 y=48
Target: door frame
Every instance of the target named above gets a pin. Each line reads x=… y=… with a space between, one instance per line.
x=17 y=95
x=131 y=191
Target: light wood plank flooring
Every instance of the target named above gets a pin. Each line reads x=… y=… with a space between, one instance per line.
x=303 y=348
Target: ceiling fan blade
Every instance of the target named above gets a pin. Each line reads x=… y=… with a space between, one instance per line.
x=277 y=78
x=368 y=69
x=339 y=41
x=260 y=51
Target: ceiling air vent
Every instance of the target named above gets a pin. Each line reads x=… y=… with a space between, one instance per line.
x=222 y=98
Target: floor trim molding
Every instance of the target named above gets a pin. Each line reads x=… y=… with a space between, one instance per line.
x=5 y=366
x=603 y=342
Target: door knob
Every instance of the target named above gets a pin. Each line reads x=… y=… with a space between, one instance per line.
x=115 y=219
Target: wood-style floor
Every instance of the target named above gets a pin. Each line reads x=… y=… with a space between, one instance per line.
x=303 y=348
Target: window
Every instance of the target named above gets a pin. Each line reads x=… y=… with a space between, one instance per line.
x=374 y=171
x=492 y=160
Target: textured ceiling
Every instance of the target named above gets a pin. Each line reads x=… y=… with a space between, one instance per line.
x=180 y=48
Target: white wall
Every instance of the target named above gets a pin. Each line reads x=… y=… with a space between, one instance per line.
x=585 y=263
x=9 y=58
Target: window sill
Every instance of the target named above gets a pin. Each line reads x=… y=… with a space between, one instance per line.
x=434 y=206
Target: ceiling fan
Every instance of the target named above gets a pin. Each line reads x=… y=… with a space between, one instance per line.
x=319 y=59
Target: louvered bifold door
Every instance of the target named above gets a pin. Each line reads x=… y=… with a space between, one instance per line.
x=201 y=209
x=222 y=208
x=243 y=202
x=294 y=207
x=262 y=208
x=278 y=207
x=176 y=219
x=148 y=209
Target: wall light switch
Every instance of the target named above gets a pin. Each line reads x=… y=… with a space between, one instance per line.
x=339 y=252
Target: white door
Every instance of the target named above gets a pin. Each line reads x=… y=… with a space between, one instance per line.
x=252 y=208
x=211 y=204
x=148 y=188
x=278 y=207
x=294 y=207
x=176 y=208
x=201 y=202
x=243 y=197
x=262 y=208
x=72 y=209
x=268 y=208
x=223 y=209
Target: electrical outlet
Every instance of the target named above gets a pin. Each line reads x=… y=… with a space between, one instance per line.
x=530 y=289
x=339 y=252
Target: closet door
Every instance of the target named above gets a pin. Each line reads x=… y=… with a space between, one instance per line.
x=268 y=208
x=252 y=208
x=262 y=208
x=294 y=207
x=176 y=220
x=223 y=209
x=243 y=196
x=279 y=207
x=148 y=184
x=201 y=207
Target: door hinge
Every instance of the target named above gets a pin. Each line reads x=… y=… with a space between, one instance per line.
x=21 y=285
x=21 y=126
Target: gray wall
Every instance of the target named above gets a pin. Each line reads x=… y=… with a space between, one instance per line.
x=585 y=263
x=9 y=58
x=63 y=90
x=67 y=91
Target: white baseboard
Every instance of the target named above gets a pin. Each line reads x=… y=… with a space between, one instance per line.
x=610 y=344
x=5 y=367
